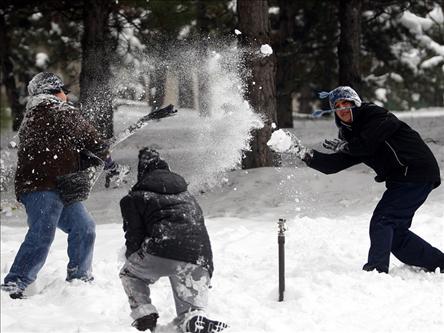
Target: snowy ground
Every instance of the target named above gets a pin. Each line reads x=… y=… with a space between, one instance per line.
x=326 y=246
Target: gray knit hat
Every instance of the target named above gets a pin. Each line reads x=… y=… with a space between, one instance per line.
x=344 y=93
x=46 y=83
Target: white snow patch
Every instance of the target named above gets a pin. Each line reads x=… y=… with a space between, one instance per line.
x=41 y=60
x=381 y=94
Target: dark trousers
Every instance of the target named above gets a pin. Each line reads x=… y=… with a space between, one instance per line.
x=389 y=229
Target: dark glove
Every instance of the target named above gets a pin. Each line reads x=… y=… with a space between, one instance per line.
x=75 y=187
x=88 y=159
x=336 y=145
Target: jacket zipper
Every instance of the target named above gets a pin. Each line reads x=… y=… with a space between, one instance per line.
x=397 y=158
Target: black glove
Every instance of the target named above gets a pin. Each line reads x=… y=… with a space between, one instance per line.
x=336 y=145
x=75 y=187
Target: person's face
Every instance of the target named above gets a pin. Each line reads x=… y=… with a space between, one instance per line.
x=346 y=114
x=61 y=95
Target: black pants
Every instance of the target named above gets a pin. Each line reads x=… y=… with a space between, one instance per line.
x=389 y=229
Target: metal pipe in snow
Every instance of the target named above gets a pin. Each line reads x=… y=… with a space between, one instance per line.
x=281 y=246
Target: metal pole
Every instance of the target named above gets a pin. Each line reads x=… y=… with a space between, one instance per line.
x=281 y=245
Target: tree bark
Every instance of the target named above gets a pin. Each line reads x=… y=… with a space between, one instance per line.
x=95 y=76
x=284 y=65
x=350 y=43
x=255 y=27
x=8 y=78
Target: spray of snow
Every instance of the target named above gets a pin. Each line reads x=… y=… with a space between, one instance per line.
x=218 y=139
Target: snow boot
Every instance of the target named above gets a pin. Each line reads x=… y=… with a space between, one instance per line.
x=13 y=291
x=146 y=322
x=201 y=324
x=367 y=267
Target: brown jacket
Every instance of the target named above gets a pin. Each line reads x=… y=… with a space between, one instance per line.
x=51 y=137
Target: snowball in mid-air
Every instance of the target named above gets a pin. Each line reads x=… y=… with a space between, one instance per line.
x=237 y=32
x=266 y=50
x=280 y=141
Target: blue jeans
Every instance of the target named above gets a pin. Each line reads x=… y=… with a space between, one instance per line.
x=389 y=229
x=46 y=212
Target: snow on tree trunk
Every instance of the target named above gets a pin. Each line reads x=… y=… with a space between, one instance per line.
x=350 y=43
x=158 y=78
x=261 y=93
x=95 y=89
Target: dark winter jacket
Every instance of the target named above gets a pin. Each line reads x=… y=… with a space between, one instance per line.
x=52 y=135
x=164 y=219
x=389 y=146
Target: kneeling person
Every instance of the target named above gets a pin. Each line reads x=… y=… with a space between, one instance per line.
x=166 y=236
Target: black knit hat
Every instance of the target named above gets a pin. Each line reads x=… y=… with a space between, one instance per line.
x=46 y=83
x=149 y=160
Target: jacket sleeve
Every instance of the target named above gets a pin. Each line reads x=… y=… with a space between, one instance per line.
x=133 y=224
x=379 y=126
x=331 y=163
x=82 y=134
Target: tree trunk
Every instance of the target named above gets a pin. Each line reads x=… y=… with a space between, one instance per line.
x=255 y=27
x=95 y=89
x=284 y=65
x=202 y=25
x=350 y=43
x=8 y=78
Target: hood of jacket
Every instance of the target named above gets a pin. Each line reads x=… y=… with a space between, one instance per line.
x=358 y=114
x=161 y=181
x=36 y=101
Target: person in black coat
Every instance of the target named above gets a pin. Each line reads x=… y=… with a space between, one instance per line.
x=371 y=135
x=166 y=236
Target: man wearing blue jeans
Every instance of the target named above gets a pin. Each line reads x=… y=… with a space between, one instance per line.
x=51 y=181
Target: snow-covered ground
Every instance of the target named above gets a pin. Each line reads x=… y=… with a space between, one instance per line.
x=326 y=245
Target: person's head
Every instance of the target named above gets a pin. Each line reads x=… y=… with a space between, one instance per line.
x=47 y=83
x=345 y=98
x=149 y=160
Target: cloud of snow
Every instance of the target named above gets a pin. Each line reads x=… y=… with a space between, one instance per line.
x=217 y=143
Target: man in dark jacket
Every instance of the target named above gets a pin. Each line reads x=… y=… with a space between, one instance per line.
x=53 y=137
x=166 y=236
x=371 y=135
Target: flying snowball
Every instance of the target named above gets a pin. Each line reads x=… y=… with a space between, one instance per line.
x=280 y=141
x=266 y=50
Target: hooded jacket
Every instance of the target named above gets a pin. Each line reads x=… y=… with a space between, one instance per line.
x=52 y=135
x=386 y=144
x=163 y=219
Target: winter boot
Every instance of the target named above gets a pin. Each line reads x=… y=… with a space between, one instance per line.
x=201 y=324
x=146 y=322
x=14 y=291
x=367 y=267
